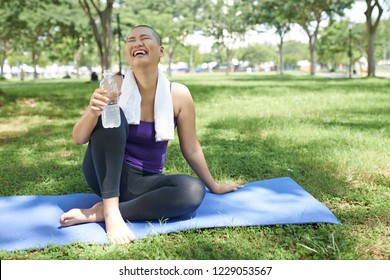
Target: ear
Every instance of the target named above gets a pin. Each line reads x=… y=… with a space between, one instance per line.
x=161 y=51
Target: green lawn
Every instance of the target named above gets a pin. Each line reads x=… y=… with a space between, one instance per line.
x=330 y=136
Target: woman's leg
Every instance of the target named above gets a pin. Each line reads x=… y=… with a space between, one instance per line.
x=104 y=159
x=102 y=166
x=163 y=196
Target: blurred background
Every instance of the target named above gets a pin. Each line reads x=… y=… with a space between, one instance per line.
x=42 y=39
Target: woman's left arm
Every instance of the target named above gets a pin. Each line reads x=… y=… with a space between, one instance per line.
x=189 y=144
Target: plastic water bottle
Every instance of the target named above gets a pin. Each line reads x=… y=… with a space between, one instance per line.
x=111 y=115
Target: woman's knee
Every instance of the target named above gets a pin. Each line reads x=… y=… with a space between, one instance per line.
x=192 y=189
x=101 y=134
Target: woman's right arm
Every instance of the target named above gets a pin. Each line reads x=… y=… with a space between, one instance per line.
x=82 y=130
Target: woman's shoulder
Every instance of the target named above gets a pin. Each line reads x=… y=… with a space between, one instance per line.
x=181 y=97
x=181 y=93
x=180 y=89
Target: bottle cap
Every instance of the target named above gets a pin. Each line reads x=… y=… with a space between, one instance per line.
x=107 y=72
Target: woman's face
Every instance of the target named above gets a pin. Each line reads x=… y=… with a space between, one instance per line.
x=142 y=48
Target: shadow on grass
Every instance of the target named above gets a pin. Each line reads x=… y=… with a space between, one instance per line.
x=237 y=86
x=53 y=100
x=254 y=156
x=373 y=119
x=277 y=77
x=41 y=160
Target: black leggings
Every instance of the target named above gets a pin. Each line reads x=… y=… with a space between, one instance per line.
x=142 y=195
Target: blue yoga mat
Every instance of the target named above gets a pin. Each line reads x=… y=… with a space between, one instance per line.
x=32 y=222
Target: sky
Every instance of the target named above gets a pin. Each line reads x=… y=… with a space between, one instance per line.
x=355 y=14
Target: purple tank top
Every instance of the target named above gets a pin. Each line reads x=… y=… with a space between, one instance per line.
x=142 y=151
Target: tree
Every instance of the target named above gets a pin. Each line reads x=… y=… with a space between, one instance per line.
x=309 y=14
x=333 y=45
x=256 y=54
x=226 y=22
x=39 y=29
x=74 y=36
x=383 y=39
x=12 y=26
x=373 y=6
x=189 y=54
x=44 y=29
x=9 y=22
x=273 y=14
x=101 y=27
x=295 y=51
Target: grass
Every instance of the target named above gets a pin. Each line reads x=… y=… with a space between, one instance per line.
x=332 y=136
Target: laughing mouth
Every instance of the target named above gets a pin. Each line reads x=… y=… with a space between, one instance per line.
x=139 y=53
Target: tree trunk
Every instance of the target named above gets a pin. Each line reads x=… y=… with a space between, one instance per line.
x=371 y=32
x=171 y=54
x=281 y=61
x=370 y=54
x=191 y=62
x=35 y=60
x=2 y=60
x=103 y=38
x=170 y=59
x=228 y=60
x=76 y=59
x=312 y=46
x=107 y=35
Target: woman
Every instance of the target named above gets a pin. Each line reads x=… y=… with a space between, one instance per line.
x=123 y=165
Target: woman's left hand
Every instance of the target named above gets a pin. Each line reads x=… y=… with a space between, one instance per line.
x=225 y=188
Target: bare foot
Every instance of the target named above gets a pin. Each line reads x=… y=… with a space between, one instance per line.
x=79 y=216
x=117 y=230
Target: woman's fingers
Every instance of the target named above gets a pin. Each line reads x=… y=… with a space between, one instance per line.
x=236 y=187
x=98 y=100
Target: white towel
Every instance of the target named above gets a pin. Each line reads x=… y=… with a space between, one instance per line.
x=130 y=102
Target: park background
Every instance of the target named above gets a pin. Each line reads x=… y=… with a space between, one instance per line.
x=255 y=119
x=54 y=39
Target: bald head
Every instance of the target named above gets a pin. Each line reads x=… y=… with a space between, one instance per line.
x=154 y=32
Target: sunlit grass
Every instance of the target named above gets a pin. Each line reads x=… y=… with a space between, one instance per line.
x=331 y=136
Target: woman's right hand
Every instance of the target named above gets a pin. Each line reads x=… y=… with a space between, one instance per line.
x=84 y=126
x=98 y=101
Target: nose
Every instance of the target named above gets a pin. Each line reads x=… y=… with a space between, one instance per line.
x=139 y=43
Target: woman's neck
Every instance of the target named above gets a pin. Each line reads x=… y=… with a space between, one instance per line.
x=146 y=80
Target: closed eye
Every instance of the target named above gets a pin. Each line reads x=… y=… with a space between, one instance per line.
x=143 y=37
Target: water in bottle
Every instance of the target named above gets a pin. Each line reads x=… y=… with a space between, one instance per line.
x=111 y=115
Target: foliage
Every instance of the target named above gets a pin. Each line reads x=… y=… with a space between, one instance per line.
x=333 y=44
x=383 y=39
x=309 y=14
x=229 y=28
x=100 y=20
x=189 y=54
x=274 y=15
x=295 y=51
x=374 y=12
x=256 y=54
x=59 y=31
x=43 y=31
